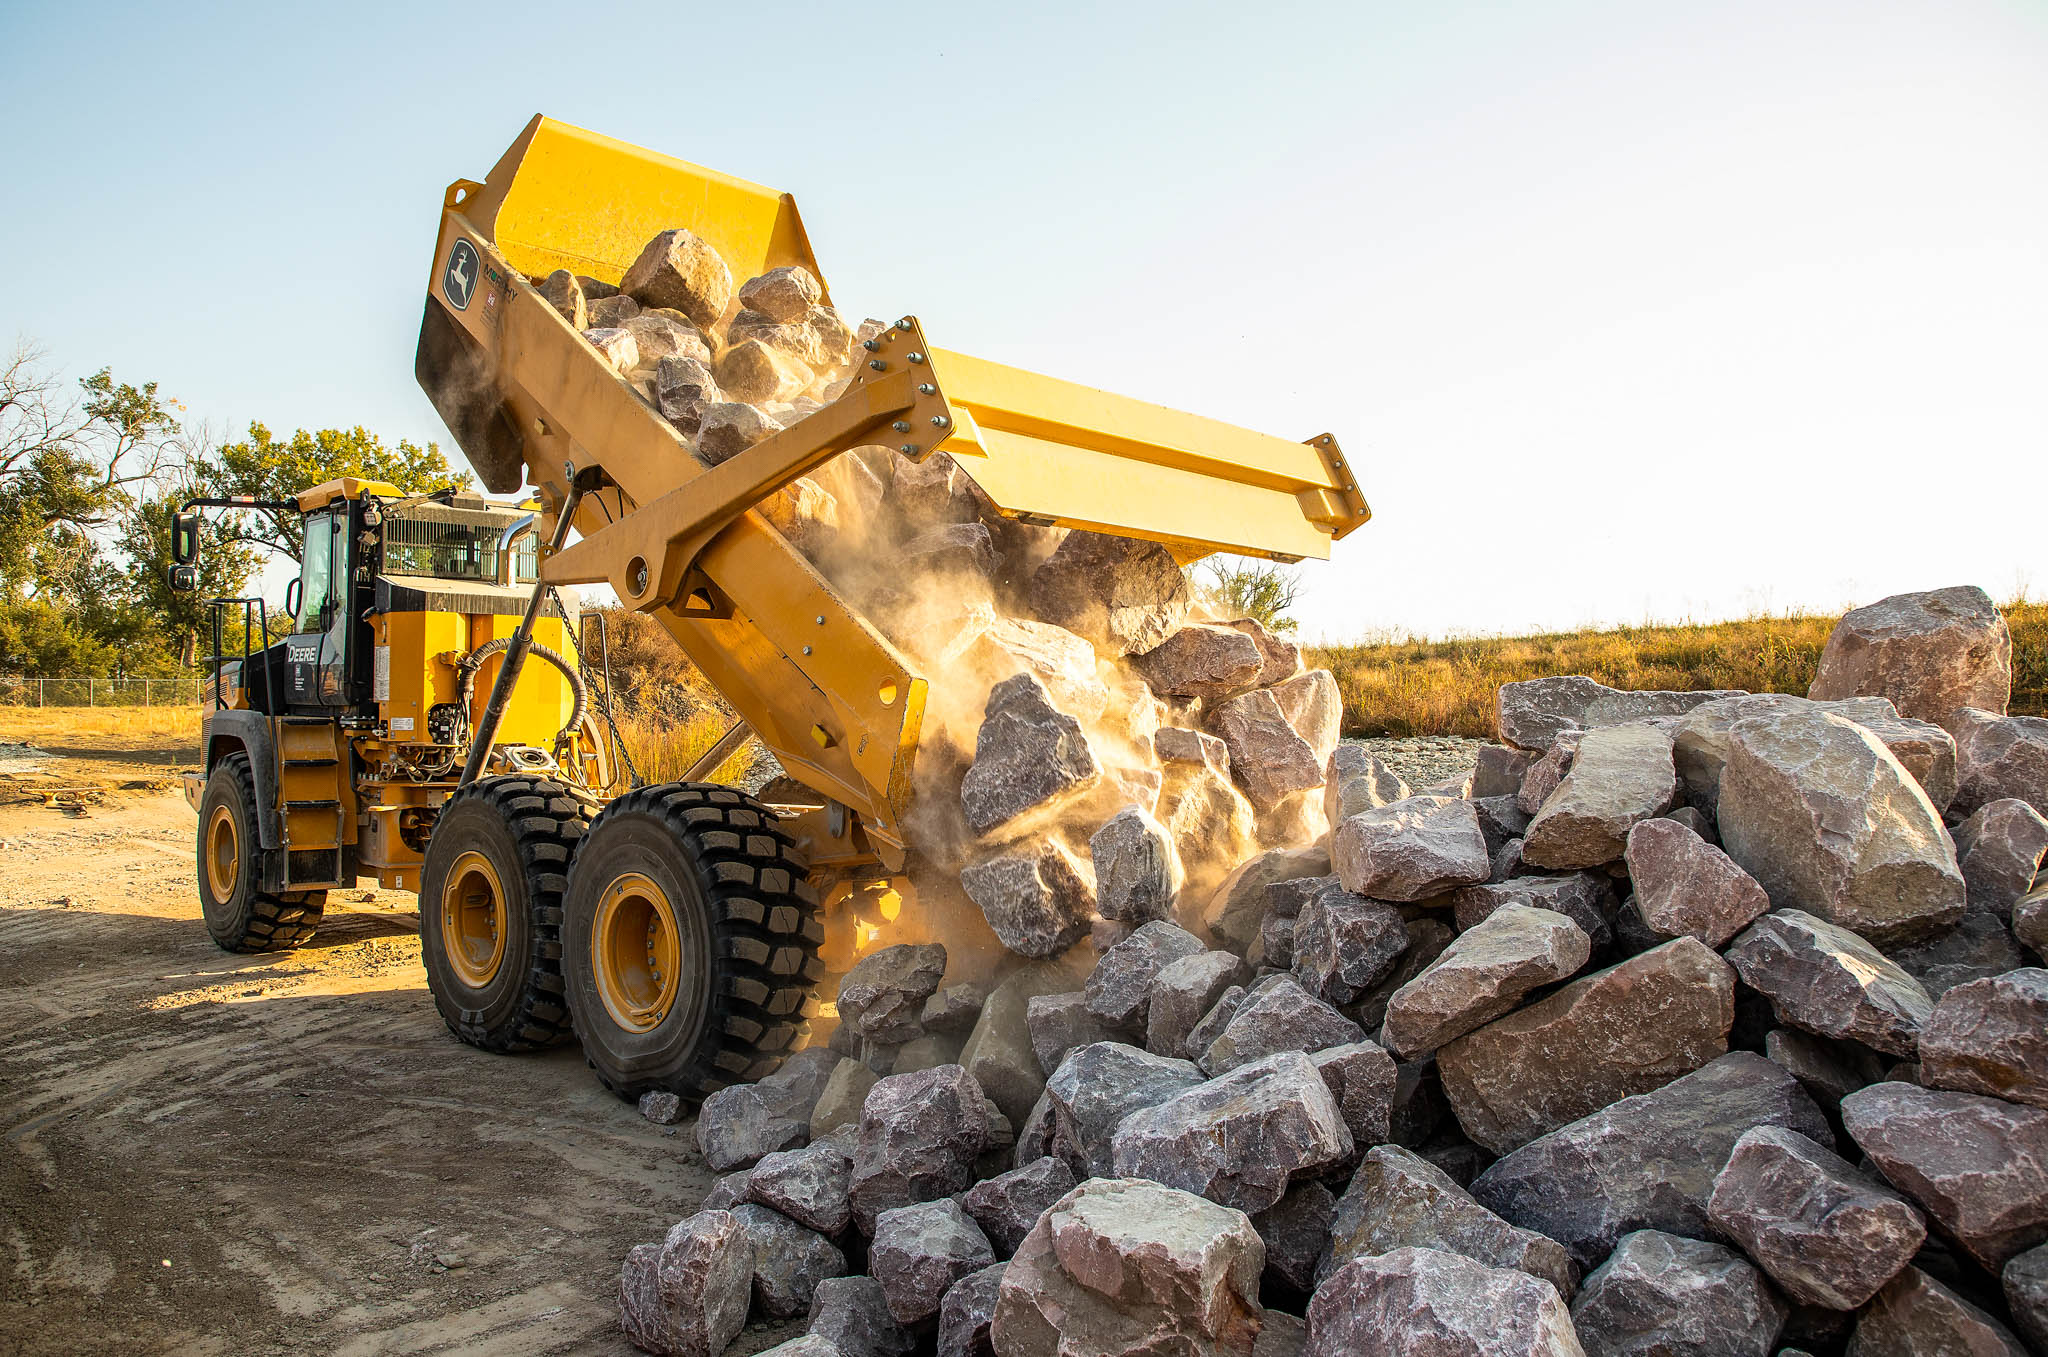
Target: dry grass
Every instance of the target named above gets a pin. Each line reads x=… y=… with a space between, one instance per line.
x=664 y=747
x=1447 y=687
x=103 y=727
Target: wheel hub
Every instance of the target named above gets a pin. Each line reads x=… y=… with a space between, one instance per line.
x=473 y=919
x=223 y=853
x=635 y=952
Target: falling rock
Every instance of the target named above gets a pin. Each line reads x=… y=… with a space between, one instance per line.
x=1282 y=656
x=1621 y=775
x=1137 y=870
x=1411 y=850
x=968 y=1312
x=785 y=295
x=882 y=997
x=919 y=1251
x=960 y=554
x=2026 y=1294
x=729 y=427
x=677 y=269
x=1999 y=758
x=1119 y=990
x=1991 y=1036
x=1269 y=758
x=1826 y=1233
x=1183 y=993
x=1416 y=1302
x=840 y=1102
x=789 y=1261
x=1398 y=1199
x=1315 y=709
x=1978 y=1166
x=561 y=291
x=852 y=1314
x=1828 y=981
x=1098 y=1086
x=1354 y=781
x=1061 y=1023
x=1344 y=944
x=1828 y=822
x=738 y=1125
x=1647 y=1162
x=919 y=1136
x=1122 y=1266
x=809 y=1185
x=1662 y=1294
x=1916 y=1316
x=1622 y=1031
x=2000 y=849
x=1211 y=822
x=1028 y=755
x=1037 y=901
x=1202 y=660
x=1062 y=662
x=1240 y=1138
x=1009 y=1204
x=999 y=1052
x=1171 y=744
x=1482 y=975
x=1124 y=595
x=1364 y=1080
x=1687 y=887
x=1929 y=653
x=1586 y=898
x=1238 y=906
x=1533 y=713
x=1282 y=1017
x=688 y=1295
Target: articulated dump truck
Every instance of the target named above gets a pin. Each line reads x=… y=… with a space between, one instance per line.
x=678 y=928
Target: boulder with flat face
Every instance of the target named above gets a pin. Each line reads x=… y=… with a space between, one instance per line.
x=1586 y=898
x=1119 y=989
x=1344 y=944
x=1314 y=707
x=561 y=291
x=1827 y=821
x=1686 y=886
x=1533 y=713
x=1037 y=901
x=2026 y=1295
x=1991 y=1036
x=1183 y=993
x=1929 y=653
x=736 y=1126
x=1430 y=1303
x=1028 y=756
x=1662 y=1294
x=728 y=427
x=1268 y=757
x=1411 y=850
x=680 y=270
x=1499 y=769
x=1061 y=1023
x=883 y=996
x=1700 y=741
x=1364 y=1080
x=809 y=1186
x=1355 y=781
x=919 y=1137
x=1828 y=981
x=1123 y=595
x=1482 y=975
x=852 y=1315
x=1138 y=873
x=785 y=295
x=919 y=1251
x=999 y=1052
x=687 y=1296
x=1280 y=1017
x=789 y=1261
x=1097 y=1087
x=1621 y=776
x=1622 y=1031
x=2001 y=848
x=1201 y=660
x=1916 y=1315
x=1239 y=905
x=1009 y=1204
x=967 y=1313
x=1122 y=1266
x=1999 y=757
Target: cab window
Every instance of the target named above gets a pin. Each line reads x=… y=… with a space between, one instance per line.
x=321 y=573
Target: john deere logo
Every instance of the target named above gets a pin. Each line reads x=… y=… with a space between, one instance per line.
x=458 y=283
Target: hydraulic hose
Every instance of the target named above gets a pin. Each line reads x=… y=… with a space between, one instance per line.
x=466 y=671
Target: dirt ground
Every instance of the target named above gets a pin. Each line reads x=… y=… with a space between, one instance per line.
x=207 y=1153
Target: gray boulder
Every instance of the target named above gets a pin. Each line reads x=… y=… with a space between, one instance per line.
x=1826 y=1233
x=1700 y=743
x=1097 y=1087
x=1281 y=1017
x=2026 y=1295
x=809 y=1185
x=1137 y=869
x=1344 y=944
x=1028 y=756
x=1182 y=993
x=1483 y=974
x=2000 y=849
x=1411 y=850
x=1661 y=1295
x=680 y=271
x=1929 y=653
x=919 y=1251
x=2030 y=922
x=1827 y=980
x=789 y=1261
x=1916 y=1316
x=1124 y=595
x=1999 y=758
x=1978 y=1166
x=1172 y=744
x=919 y=1137
x=953 y=1009
x=687 y=1296
x=1061 y=1023
x=1826 y=819
x=1647 y=1162
x=1355 y=782
x=1296 y=1231
x=1978 y=948
x=1533 y=713
x=1686 y=886
x=999 y=1052
x=738 y=1125
x=1622 y=1031
x=1621 y=776
x=1202 y=660
x=1547 y=773
x=968 y=1312
x=1123 y=1266
x=1009 y=1204
x=1037 y=900
x=1498 y=770
x=1829 y=1070
x=1240 y=1138
x=852 y=1314
x=883 y=996
x=1586 y=898
x=1991 y=1036
x=1364 y=1080
x=1427 y=1303
x=1119 y=990
x=1269 y=758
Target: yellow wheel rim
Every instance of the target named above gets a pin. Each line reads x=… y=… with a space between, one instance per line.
x=473 y=919
x=223 y=853
x=636 y=953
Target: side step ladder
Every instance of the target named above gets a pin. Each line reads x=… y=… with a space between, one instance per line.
x=313 y=806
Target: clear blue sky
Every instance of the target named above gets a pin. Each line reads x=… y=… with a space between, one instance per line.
x=1624 y=309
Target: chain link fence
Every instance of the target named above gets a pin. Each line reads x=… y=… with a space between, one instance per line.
x=180 y=690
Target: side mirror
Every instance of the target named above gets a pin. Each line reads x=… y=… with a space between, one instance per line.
x=184 y=539
x=291 y=600
x=183 y=578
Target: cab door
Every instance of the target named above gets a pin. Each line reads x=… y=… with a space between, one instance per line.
x=317 y=651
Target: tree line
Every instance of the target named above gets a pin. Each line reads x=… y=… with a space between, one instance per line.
x=89 y=474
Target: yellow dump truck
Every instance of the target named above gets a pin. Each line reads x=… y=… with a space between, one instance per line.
x=677 y=928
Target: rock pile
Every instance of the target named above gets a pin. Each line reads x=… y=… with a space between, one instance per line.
x=1708 y=1028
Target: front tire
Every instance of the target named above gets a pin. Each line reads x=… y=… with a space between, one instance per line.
x=240 y=915
x=691 y=941
x=491 y=910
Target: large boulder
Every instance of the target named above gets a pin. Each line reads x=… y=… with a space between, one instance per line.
x=920 y=1134
x=1825 y=1232
x=1315 y=709
x=1533 y=713
x=1686 y=886
x=999 y=1052
x=1978 y=1166
x=736 y=1126
x=1364 y=1080
x=852 y=1315
x=1122 y=1266
x=809 y=1186
x=1029 y=756
x=680 y=270
x=1269 y=758
x=1281 y=1016
x=1647 y=1162
x=919 y=1251
x=1038 y=901
x=1929 y=653
x=1398 y=1199
x=1202 y=660
x=882 y=997
x=2000 y=848
x=1411 y=850
x=1138 y=872
x=1416 y=1302
x=1621 y=776
x=1916 y=1316
x=1344 y=944
x=1062 y=1022
x=1009 y=1204
x=1826 y=819
x=2026 y=1295
x=1099 y=1085
x=789 y=1261
x=1999 y=757
x=1119 y=989
x=1240 y=1138
x=1991 y=1036
x=1586 y=898
x=1660 y=1295
x=1700 y=741
x=1124 y=595
x=1183 y=993
x=1622 y=1031
x=687 y=1296
x=1354 y=781
x=1483 y=974
x=1828 y=981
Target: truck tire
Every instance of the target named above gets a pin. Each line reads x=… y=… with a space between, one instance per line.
x=691 y=941
x=240 y=915
x=491 y=910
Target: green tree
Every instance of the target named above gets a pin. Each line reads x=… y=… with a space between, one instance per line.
x=268 y=467
x=179 y=620
x=1261 y=590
